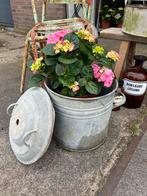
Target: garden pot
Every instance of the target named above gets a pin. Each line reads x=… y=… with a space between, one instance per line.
x=81 y=124
x=119 y=25
x=105 y=24
x=135 y=20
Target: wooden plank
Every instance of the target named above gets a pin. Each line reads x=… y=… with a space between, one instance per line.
x=131 y=53
x=123 y=52
x=117 y=34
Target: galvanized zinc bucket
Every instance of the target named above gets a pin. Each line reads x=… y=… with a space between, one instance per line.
x=81 y=124
x=135 y=20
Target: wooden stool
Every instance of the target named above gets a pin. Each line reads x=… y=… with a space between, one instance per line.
x=127 y=47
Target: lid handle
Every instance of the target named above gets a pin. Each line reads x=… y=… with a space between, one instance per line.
x=23 y=139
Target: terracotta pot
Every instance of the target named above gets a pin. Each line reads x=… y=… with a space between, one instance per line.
x=119 y=25
x=105 y=24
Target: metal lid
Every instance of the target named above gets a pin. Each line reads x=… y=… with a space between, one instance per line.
x=31 y=125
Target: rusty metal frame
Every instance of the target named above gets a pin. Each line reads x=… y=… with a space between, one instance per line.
x=86 y=4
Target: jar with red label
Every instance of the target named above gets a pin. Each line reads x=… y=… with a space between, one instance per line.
x=135 y=83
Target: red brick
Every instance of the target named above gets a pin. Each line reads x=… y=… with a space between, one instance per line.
x=23 y=16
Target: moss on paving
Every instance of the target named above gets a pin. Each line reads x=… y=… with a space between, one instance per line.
x=135 y=125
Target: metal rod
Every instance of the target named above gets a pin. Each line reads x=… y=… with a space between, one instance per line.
x=98 y=15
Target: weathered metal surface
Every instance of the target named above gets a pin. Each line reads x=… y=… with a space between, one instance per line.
x=135 y=20
x=34 y=11
x=67 y=1
x=86 y=5
x=81 y=123
x=31 y=125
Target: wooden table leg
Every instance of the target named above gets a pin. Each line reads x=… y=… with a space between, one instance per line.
x=123 y=52
x=131 y=53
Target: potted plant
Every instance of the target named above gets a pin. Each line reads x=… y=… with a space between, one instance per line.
x=119 y=17
x=105 y=17
x=81 y=84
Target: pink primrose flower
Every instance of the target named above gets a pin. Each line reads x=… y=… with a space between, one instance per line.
x=96 y=68
x=103 y=74
x=107 y=77
x=57 y=36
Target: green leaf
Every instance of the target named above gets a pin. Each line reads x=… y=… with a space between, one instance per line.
x=67 y=80
x=50 y=71
x=55 y=84
x=72 y=94
x=65 y=91
x=86 y=49
x=87 y=72
x=51 y=60
x=82 y=91
x=29 y=63
x=35 y=80
x=92 y=88
x=106 y=62
x=75 y=68
x=72 y=37
x=60 y=69
x=82 y=82
x=67 y=59
x=49 y=50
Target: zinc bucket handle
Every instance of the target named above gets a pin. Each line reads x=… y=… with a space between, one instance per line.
x=9 y=107
x=119 y=99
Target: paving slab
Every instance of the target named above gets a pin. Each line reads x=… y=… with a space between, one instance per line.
x=58 y=172
x=134 y=180
x=11 y=47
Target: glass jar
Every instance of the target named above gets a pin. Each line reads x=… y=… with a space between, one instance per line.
x=135 y=83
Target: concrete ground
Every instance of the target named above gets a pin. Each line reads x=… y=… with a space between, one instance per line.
x=133 y=181
x=58 y=172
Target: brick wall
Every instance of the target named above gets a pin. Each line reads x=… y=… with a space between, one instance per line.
x=23 y=17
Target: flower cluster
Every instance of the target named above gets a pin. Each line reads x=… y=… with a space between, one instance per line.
x=98 y=50
x=38 y=65
x=113 y=55
x=75 y=64
x=103 y=74
x=63 y=46
x=84 y=34
x=57 y=36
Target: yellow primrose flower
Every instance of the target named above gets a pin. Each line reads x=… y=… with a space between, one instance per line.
x=38 y=65
x=98 y=50
x=58 y=47
x=84 y=34
x=63 y=46
x=113 y=55
x=71 y=47
x=68 y=46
